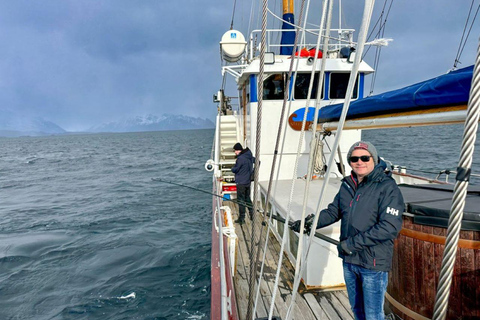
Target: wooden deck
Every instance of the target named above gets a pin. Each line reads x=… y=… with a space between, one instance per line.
x=331 y=305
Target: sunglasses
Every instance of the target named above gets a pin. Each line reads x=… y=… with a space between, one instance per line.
x=363 y=158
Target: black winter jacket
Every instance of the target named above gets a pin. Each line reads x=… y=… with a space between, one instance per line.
x=243 y=167
x=371 y=218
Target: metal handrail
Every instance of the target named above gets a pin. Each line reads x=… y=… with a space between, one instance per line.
x=271 y=45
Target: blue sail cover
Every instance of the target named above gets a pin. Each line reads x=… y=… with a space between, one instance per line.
x=449 y=89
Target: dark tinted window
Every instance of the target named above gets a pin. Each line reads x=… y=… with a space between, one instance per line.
x=273 y=87
x=301 y=86
x=339 y=84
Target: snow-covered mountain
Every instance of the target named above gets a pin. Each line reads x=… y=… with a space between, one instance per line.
x=154 y=123
x=14 y=125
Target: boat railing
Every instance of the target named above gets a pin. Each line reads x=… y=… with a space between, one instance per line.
x=344 y=38
x=223 y=279
x=447 y=173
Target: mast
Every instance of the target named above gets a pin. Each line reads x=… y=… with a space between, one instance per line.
x=288 y=36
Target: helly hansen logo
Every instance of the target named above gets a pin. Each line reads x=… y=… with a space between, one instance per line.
x=392 y=211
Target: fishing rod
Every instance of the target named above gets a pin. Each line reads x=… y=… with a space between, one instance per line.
x=317 y=234
x=274 y=216
x=204 y=191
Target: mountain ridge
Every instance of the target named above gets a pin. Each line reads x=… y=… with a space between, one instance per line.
x=152 y=122
x=15 y=125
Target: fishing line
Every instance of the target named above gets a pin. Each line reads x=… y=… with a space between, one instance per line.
x=276 y=217
x=204 y=191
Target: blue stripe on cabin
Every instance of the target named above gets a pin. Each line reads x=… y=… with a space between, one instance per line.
x=253 y=88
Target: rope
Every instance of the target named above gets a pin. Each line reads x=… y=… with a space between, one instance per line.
x=293 y=58
x=460 y=192
x=287 y=218
x=253 y=269
x=367 y=14
x=275 y=153
x=327 y=10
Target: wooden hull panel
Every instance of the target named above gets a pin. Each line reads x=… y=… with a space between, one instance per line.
x=416 y=267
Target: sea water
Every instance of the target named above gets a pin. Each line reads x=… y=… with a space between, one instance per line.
x=425 y=151
x=86 y=234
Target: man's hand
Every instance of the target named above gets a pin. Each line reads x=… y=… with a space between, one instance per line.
x=295 y=226
x=343 y=249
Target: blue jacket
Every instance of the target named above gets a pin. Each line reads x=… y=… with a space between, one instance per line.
x=243 y=167
x=371 y=218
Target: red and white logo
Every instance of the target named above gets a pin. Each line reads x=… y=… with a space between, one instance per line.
x=361 y=145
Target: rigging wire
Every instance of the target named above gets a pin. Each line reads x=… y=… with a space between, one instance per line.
x=378 y=51
x=361 y=42
x=462 y=44
x=250 y=21
x=278 y=34
x=325 y=23
x=253 y=249
x=233 y=13
x=297 y=36
x=290 y=80
x=382 y=21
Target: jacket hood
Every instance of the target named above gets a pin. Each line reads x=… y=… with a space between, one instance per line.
x=246 y=153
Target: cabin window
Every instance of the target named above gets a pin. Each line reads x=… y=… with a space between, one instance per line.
x=339 y=84
x=301 y=86
x=293 y=243
x=274 y=87
x=280 y=225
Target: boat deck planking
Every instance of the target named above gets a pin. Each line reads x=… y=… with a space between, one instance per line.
x=332 y=305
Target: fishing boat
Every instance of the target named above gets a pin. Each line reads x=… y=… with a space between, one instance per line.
x=299 y=105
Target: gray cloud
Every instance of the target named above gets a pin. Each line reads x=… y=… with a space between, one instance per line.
x=80 y=63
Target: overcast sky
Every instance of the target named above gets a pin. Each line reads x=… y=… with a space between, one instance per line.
x=79 y=63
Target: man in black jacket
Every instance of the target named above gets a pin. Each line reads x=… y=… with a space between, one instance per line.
x=243 y=169
x=370 y=206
